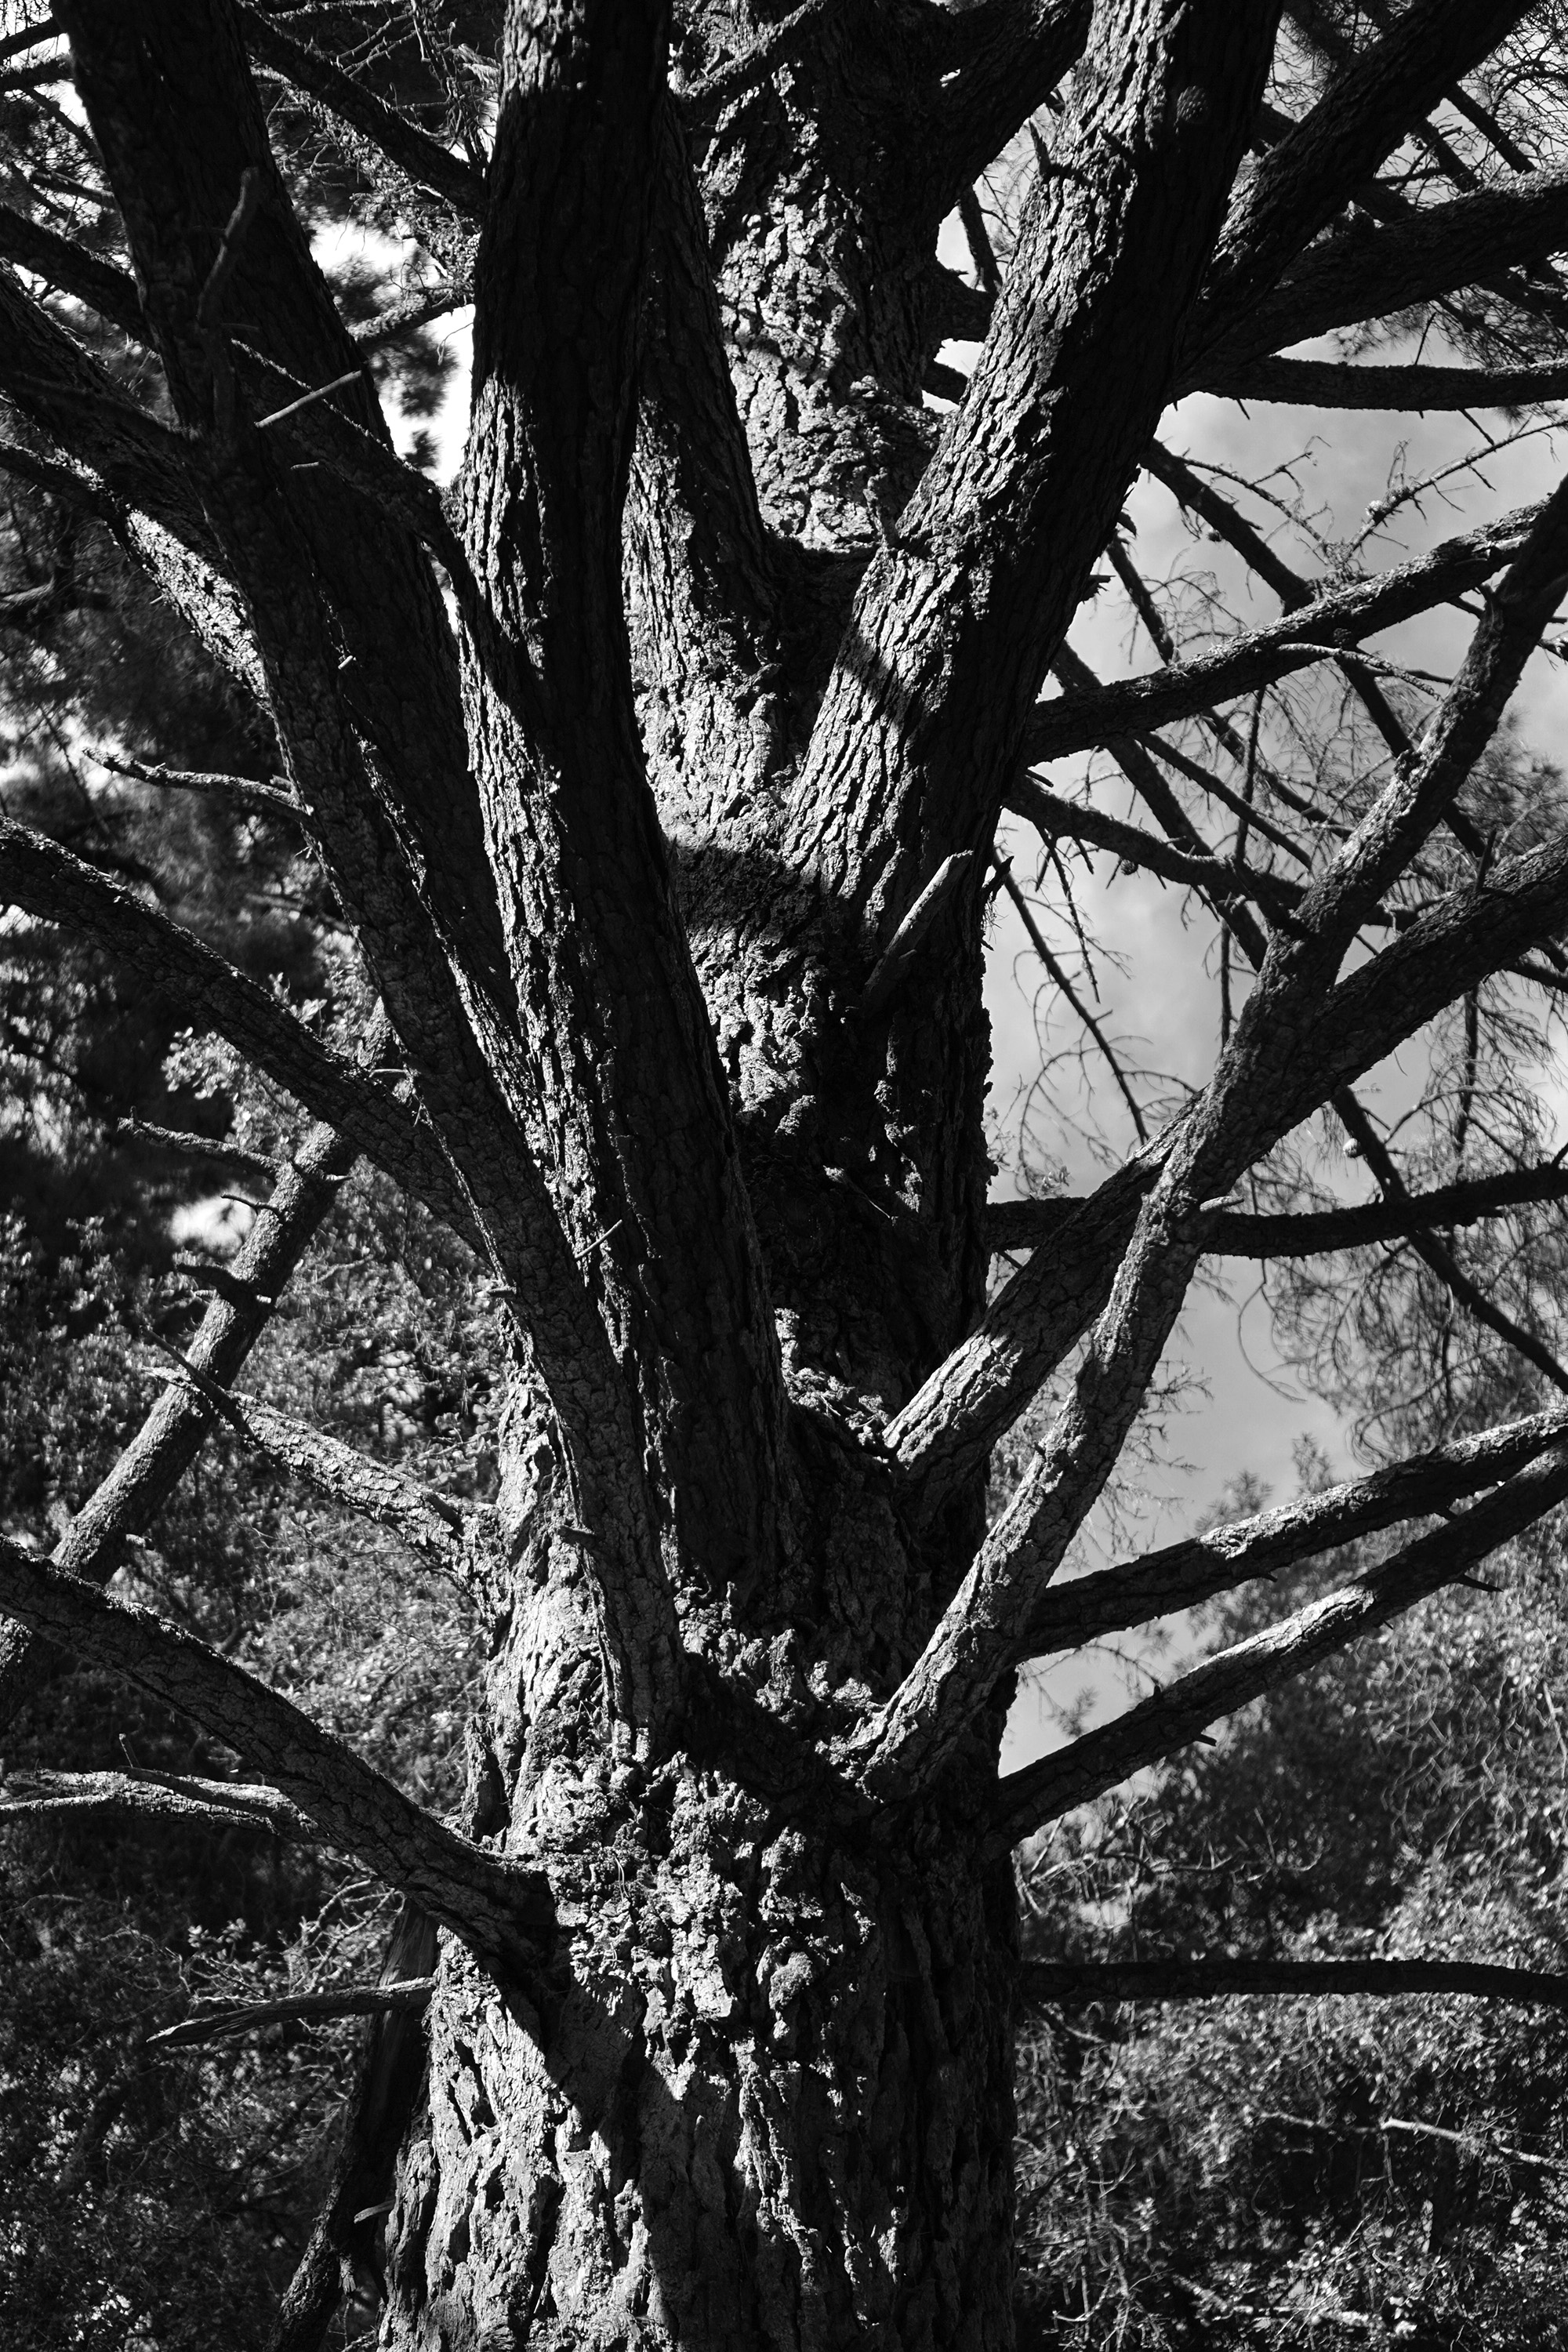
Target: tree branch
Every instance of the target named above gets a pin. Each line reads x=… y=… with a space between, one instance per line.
x=422 y=159
x=1338 y=615
x=1172 y=1717
x=1436 y=1252
x=1182 y=1574
x=240 y=791
x=410 y=1993
x=496 y=1906
x=1365 y=110
x=1074 y=372
x=426 y=1522
x=170 y=1438
x=1219 y=879
x=1024 y=1224
x=49 y=884
x=1076 y=1983
x=109 y=291
x=231 y=1805
x=1364 y=272
x=1335 y=384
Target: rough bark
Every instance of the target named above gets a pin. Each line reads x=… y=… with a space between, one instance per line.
x=655 y=770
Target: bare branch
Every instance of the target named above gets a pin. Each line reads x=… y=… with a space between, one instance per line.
x=240 y=791
x=425 y=161
x=1364 y=112
x=495 y=1905
x=1172 y=1717
x=1335 y=383
x=1363 y=273
x=1080 y=1009
x=1204 y=500
x=1219 y=879
x=1339 y=616
x=56 y=888
x=1181 y=1575
x=232 y=1804
x=1437 y=1254
x=64 y=263
x=1076 y=1983
x=411 y=1993
x=1023 y=1225
x=170 y=1438
x=426 y=1522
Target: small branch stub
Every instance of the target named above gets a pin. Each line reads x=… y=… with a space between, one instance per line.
x=891 y=967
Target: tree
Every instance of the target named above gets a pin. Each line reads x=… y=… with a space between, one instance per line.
x=654 y=772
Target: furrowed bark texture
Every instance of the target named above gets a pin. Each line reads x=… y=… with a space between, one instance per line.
x=630 y=760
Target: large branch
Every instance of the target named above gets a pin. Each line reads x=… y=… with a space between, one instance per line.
x=170 y=1438
x=496 y=1906
x=62 y=262
x=1076 y=1983
x=427 y=1522
x=956 y=620
x=976 y=1394
x=1296 y=1043
x=1339 y=616
x=1171 y=1718
x=1364 y=112
x=53 y=886
x=1364 y=273
x=77 y=405
x=1025 y=1224
x=639 y=1131
x=1181 y=1575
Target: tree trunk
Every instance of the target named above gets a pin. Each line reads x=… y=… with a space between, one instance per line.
x=764 y=2101
x=656 y=770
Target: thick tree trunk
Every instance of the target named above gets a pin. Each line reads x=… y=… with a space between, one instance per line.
x=766 y=2101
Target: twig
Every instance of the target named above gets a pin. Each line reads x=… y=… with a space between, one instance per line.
x=296 y=2009
x=309 y=399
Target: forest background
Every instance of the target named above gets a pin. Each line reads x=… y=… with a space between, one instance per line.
x=1272 y=2172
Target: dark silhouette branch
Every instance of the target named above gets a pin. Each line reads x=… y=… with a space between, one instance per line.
x=422 y=159
x=1022 y=1224
x=1348 y=383
x=1220 y=880
x=66 y=265
x=1367 y=107
x=1171 y=1718
x=1437 y=1254
x=1181 y=1575
x=1337 y=616
x=53 y=886
x=1362 y=273
x=497 y=1907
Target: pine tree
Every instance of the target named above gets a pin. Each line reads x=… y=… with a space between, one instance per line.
x=654 y=771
